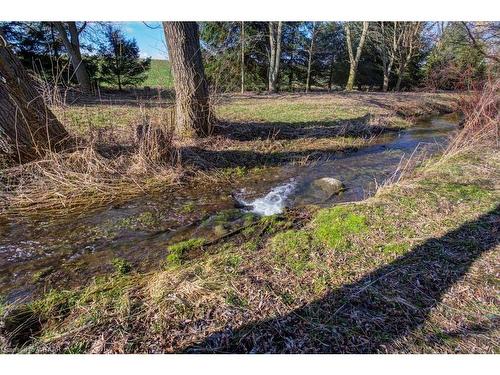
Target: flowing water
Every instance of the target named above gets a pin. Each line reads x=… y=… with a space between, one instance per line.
x=40 y=254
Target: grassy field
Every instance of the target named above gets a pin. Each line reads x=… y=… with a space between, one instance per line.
x=159 y=75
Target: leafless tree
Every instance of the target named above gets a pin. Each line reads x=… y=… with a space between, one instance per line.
x=387 y=38
x=310 y=52
x=354 y=58
x=275 y=30
x=72 y=45
x=485 y=38
x=242 y=56
x=411 y=42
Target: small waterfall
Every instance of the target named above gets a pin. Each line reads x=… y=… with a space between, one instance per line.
x=274 y=201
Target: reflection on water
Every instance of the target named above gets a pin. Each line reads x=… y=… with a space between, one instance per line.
x=66 y=252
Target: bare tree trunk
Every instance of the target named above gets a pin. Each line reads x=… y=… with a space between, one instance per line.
x=400 y=78
x=242 y=57
x=308 y=82
x=28 y=129
x=354 y=59
x=193 y=115
x=73 y=48
x=330 y=75
x=275 y=54
x=411 y=40
x=292 y=60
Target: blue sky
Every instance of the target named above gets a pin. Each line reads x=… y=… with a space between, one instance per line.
x=151 y=42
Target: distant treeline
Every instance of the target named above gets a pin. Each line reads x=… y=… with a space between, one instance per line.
x=285 y=56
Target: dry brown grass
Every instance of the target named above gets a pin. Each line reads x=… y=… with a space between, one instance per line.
x=100 y=171
x=481 y=122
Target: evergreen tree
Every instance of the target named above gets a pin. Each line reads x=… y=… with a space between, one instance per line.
x=120 y=63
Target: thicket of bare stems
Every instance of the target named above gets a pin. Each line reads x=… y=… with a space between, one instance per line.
x=480 y=125
x=92 y=175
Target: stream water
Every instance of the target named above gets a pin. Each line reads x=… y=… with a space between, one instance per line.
x=40 y=254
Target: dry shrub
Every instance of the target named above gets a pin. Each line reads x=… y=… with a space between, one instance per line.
x=481 y=119
x=92 y=176
x=155 y=141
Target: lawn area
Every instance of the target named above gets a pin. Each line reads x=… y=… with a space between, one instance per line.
x=159 y=75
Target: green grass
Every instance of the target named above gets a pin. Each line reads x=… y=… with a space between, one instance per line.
x=288 y=112
x=159 y=75
x=292 y=249
x=121 y=266
x=332 y=227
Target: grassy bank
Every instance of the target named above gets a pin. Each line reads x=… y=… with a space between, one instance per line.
x=254 y=131
x=413 y=269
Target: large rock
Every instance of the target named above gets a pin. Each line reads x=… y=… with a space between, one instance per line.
x=322 y=189
x=328 y=185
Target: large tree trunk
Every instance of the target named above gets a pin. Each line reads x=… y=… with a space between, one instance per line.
x=354 y=59
x=309 y=63
x=275 y=54
x=73 y=48
x=28 y=129
x=193 y=116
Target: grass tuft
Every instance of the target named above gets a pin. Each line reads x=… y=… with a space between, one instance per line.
x=177 y=251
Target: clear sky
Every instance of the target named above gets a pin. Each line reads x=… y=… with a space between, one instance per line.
x=150 y=40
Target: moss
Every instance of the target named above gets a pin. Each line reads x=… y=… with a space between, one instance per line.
x=224 y=217
x=334 y=227
x=395 y=248
x=249 y=218
x=121 y=266
x=177 y=251
x=275 y=223
x=292 y=248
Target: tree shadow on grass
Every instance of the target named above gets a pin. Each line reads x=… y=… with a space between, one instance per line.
x=368 y=315
x=310 y=133
x=213 y=159
x=250 y=131
x=135 y=97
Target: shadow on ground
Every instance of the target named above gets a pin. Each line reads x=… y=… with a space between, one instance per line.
x=249 y=131
x=369 y=315
x=308 y=132
x=138 y=97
